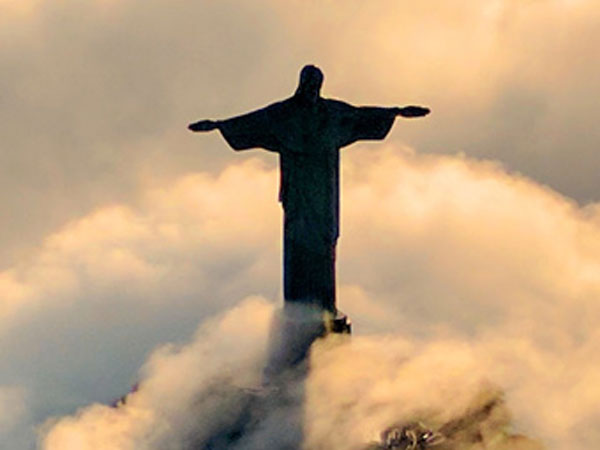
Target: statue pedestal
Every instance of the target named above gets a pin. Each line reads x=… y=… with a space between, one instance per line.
x=341 y=324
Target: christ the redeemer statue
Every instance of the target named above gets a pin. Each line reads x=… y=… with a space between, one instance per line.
x=308 y=132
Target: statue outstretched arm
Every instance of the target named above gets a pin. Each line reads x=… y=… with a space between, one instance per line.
x=250 y=130
x=359 y=123
x=412 y=111
x=204 y=125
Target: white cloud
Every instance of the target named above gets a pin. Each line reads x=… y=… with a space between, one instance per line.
x=79 y=317
x=442 y=260
x=175 y=400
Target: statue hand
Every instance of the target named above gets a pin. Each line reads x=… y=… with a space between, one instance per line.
x=413 y=111
x=203 y=125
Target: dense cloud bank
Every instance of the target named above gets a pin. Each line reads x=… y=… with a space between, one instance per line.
x=186 y=392
x=456 y=274
x=199 y=395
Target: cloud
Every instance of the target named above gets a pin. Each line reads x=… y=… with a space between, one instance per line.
x=481 y=230
x=117 y=245
x=443 y=261
x=510 y=267
x=141 y=275
x=177 y=384
x=355 y=389
x=97 y=94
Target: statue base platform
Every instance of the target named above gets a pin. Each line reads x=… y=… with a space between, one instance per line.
x=340 y=324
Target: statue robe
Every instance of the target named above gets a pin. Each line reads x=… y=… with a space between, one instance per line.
x=308 y=137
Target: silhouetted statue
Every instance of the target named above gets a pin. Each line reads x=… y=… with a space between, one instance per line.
x=308 y=131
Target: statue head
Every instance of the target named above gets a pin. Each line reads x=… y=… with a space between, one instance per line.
x=311 y=80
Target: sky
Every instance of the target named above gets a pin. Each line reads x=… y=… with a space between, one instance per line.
x=471 y=236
